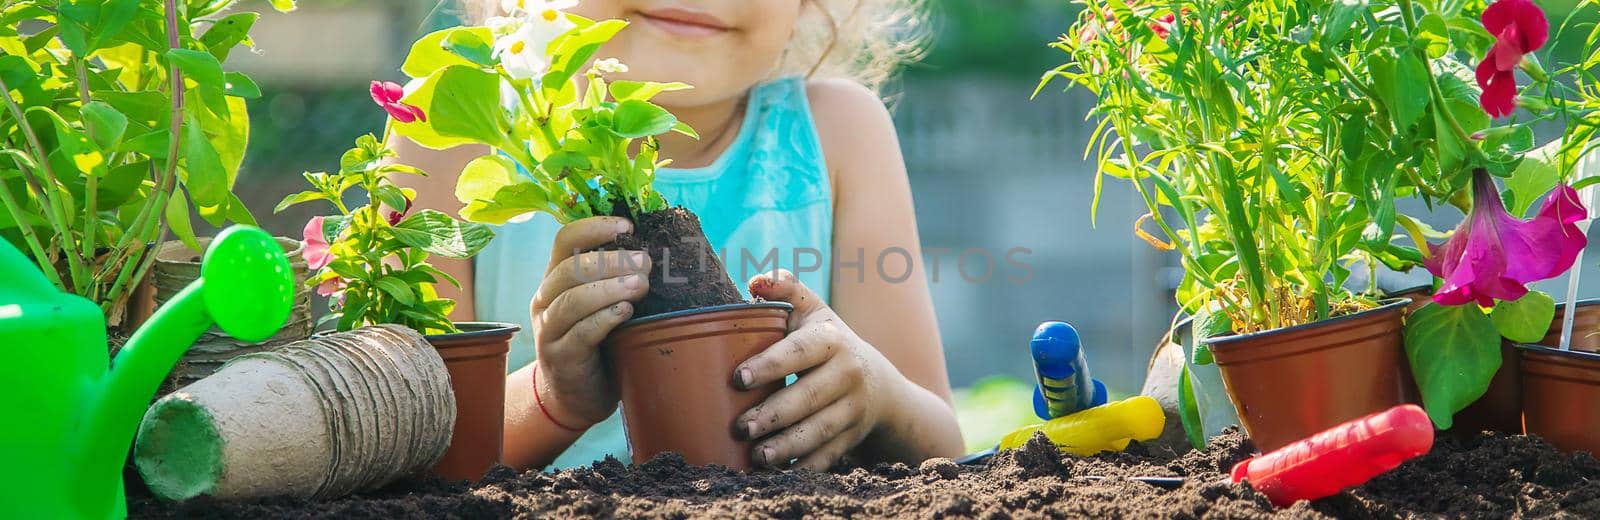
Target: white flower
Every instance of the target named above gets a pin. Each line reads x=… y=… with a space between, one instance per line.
x=535 y=7
x=522 y=46
x=609 y=66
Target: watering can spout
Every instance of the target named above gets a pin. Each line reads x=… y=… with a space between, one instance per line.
x=245 y=287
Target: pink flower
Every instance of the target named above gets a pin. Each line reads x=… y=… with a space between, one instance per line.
x=387 y=95
x=1494 y=255
x=394 y=216
x=1519 y=28
x=316 y=245
x=331 y=287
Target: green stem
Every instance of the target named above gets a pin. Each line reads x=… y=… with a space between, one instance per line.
x=164 y=188
x=56 y=213
x=91 y=187
x=30 y=238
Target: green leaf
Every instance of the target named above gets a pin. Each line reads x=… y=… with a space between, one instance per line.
x=391 y=196
x=238 y=212
x=299 y=198
x=240 y=85
x=397 y=288
x=624 y=90
x=283 y=6
x=1454 y=352
x=199 y=66
x=1399 y=80
x=203 y=173
x=1189 y=411
x=178 y=221
x=120 y=184
x=471 y=46
x=572 y=50
x=635 y=119
x=485 y=176
x=1433 y=32
x=429 y=54
x=1526 y=319
x=463 y=107
x=106 y=124
x=1341 y=14
x=229 y=32
x=438 y=234
x=510 y=202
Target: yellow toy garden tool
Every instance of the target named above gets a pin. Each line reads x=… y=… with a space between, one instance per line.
x=66 y=419
x=1109 y=427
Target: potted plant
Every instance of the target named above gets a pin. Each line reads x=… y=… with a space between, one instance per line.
x=1460 y=344
x=1279 y=135
x=1269 y=141
x=372 y=261
x=118 y=120
x=570 y=143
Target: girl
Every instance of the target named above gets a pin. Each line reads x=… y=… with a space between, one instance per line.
x=797 y=158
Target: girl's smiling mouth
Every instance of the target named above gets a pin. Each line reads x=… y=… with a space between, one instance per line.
x=686 y=23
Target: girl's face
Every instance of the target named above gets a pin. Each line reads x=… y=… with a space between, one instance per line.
x=721 y=47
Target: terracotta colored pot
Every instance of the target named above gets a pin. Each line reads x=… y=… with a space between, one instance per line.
x=476 y=360
x=676 y=373
x=1290 y=383
x=1561 y=397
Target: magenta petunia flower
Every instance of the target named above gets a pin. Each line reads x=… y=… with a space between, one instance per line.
x=1494 y=255
x=387 y=95
x=1519 y=28
x=316 y=250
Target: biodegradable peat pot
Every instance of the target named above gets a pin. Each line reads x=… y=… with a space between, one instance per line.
x=1290 y=383
x=320 y=418
x=176 y=266
x=676 y=373
x=476 y=359
x=1561 y=397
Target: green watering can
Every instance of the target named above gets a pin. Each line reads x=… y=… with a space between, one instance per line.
x=68 y=420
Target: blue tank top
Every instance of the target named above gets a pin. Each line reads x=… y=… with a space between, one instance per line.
x=765 y=203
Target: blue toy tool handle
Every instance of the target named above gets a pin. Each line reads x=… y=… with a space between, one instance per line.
x=1064 y=382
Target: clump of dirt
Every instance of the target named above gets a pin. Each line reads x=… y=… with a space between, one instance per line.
x=685 y=272
x=1485 y=476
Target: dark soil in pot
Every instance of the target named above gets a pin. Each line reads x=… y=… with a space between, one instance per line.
x=685 y=272
x=1488 y=476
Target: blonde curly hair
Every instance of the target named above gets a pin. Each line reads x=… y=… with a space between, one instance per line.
x=862 y=40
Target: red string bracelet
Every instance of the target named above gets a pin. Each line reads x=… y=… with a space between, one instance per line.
x=540 y=401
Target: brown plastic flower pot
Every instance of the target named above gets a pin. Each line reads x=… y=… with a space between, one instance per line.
x=1500 y=408
x=476 y=360
x=676 y=373
x=1290 y=383
x=1561 y=397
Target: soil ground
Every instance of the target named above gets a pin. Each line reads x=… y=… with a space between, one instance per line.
x=1487 y=475
x=685 y=273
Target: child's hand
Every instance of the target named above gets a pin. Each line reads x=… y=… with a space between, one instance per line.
x=840 y=395
x=582 y=298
